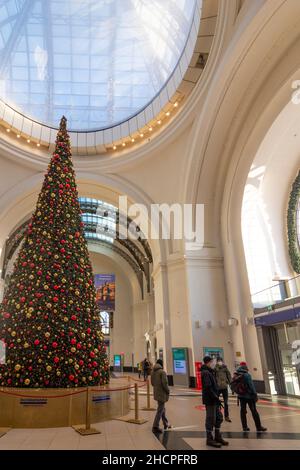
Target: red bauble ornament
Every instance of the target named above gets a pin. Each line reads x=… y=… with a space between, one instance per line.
x=92 y=354
x=56 y=359
x=71 y=377
x=36 y=342
x=81 y=362
x=88 y=331
x=73 y=341
x=95 y=373
x=78 y=346
x=73 y=317
x=39 y=273
x=54 y=344
x=55 y=299
x=62 y=250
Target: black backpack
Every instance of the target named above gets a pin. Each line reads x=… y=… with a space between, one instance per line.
x=238 y=384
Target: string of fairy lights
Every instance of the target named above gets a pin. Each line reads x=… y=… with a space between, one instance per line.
x=130 y=140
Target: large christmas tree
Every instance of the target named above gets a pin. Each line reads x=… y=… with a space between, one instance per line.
x=49 y=319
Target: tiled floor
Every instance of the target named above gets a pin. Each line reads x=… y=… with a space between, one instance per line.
x=282 y=418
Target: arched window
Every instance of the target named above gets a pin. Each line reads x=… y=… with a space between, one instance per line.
x=105 y=322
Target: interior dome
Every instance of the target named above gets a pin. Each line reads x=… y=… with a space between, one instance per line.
x=99 y=62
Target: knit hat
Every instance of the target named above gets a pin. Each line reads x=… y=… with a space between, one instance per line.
x=243 y=364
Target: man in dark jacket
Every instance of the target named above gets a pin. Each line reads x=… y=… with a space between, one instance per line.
x=161 y=394
x=212 y=404
x=223 y=377
x=248 y=396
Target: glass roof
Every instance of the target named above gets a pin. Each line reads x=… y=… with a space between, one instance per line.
x=98 y=62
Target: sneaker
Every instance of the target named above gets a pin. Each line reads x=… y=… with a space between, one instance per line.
x=167 y=426
x=262 y=429
x=246 y=429
x=228 y=420
x=157 y=430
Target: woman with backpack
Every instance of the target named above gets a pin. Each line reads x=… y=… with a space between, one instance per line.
x=243 y=386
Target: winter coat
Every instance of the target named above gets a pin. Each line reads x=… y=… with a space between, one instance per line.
x=251 y=394
x=159 y=382
x=223 y=376
x=209 y=386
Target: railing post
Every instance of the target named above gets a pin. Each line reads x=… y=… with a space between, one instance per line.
x=87 y=430
x=148 y=407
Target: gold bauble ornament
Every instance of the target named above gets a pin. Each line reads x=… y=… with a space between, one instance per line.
x=26 y=345
x=39 y=328
x=46 y=287
x=58 y=373
x=28 y=315
x=83 y=379
x=13 y=333
x=49 y=368
x=73 y=350
x=17 y=367
x=70 y=361
x=18 y=340
x=66 y=319
x=47 y=334
x=27 y=381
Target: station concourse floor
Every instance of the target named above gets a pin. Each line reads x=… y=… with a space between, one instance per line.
x=186 y=414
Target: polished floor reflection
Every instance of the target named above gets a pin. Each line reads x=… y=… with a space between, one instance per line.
x=280 y=415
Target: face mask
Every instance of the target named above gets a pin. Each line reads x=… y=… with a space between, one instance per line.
x=213 y=364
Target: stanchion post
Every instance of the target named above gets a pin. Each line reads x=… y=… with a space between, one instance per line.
x=87 y=430
x=136 y=419
x=148 y=407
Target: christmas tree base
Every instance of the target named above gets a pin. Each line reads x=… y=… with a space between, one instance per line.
x=59 y=407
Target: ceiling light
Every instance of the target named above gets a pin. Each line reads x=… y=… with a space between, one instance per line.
x=7 y=130
x=18 y=136
x=168 y=113
x=175 y=105
x=123 y=145
x=132 y=140
x=38 y=144
x=150 y=129
x=28 y=140
x=115 y=147
x=141 y=135
x=159 y=122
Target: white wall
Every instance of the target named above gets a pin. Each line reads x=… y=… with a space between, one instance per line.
x=121 y=338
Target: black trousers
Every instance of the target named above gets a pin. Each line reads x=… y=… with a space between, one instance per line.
x=252 y=406
x=224 y=393
x=214 y=418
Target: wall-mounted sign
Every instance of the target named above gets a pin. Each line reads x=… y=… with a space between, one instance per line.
x=213 y=352
x=117 y=360
x=105 y=286
x=179 y=361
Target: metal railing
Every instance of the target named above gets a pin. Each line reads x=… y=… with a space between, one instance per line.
x=283 y=290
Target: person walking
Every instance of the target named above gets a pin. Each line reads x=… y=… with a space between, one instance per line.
x=243 y=386
x=210 y=398
x=223 y=378
x=161 y=393
x=146 y=366
x=139 y=369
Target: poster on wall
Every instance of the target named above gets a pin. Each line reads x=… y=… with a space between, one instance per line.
x=214 y=352
x=105 y=291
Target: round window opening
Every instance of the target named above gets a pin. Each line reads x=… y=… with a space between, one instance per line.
x=99 y=62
